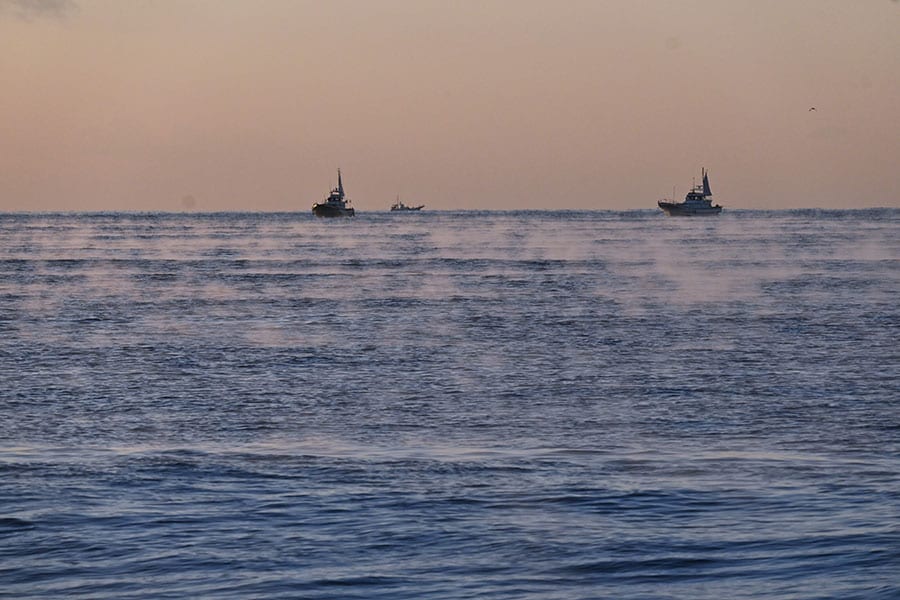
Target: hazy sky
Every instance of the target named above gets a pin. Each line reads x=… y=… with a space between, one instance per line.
x=595 y=104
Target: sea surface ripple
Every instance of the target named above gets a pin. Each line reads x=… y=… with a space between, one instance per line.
x=528 y=405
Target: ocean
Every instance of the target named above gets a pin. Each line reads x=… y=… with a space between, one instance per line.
x=498 y=405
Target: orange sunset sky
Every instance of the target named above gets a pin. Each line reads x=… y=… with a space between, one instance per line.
x=214 y=105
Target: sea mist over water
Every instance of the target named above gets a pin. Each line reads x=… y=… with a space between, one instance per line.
x=447 y=405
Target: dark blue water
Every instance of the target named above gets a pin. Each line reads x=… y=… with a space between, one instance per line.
x=450 y=405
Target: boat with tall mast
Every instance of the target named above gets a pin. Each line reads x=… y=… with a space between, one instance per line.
x=335 y=204
x=697 y=202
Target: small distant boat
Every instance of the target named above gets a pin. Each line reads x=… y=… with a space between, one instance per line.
x=335 y=204
x=400 y=207
x=697 y=202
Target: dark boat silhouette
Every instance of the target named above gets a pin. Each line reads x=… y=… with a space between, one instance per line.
x=400 y=207
x=697 y=202
x=335 y=205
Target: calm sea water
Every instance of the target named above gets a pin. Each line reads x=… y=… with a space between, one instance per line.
x=450 y=405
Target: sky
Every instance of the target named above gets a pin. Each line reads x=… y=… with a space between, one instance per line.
x=253 y=105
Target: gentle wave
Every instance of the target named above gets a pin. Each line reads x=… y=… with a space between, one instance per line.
x=529 y=404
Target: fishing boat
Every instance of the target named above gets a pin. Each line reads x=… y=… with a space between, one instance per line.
x=697 y=202
x=400 y=207
x=335 y=205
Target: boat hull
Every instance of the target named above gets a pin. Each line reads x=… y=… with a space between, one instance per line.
x=679 y=210
x=325 y=210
